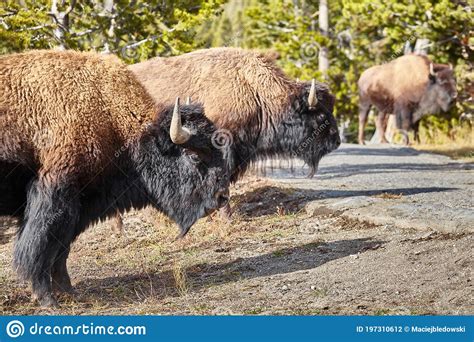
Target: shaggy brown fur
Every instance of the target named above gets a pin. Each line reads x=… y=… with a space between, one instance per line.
x=69 y=131
x=235 y=82
x=404 y=87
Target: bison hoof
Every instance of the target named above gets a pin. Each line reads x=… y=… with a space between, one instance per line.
x=62 y=286
x=48 y=301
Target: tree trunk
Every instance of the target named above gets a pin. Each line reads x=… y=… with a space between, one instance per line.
x=61 y=20
x=324 y=28
x=109 y=11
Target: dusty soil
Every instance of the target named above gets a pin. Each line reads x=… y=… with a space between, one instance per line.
x=272 y=258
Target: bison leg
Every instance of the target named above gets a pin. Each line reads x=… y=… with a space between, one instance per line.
x=404 y=122
x=61 y=282
x=48 y=227
x=380 y=128
x=364 y=107
x=416 y=135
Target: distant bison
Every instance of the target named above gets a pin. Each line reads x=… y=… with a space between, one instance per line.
x=264 y=113
x=409 y=87
x=81 y=138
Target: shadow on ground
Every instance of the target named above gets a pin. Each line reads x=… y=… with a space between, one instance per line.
x=201 y=276
x=268 y=199
x=386 y=151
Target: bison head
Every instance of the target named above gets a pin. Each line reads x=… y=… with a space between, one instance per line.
x=186 y=176
x=442 y=85
x=313 y=125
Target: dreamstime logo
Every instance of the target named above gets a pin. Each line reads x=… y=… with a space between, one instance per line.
x=130 y=52
x=222 y=139
x=309 y=51
x=15 y=329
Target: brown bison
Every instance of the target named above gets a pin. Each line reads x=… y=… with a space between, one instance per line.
x=409 y=87
x=79 y=139
x=260 y=111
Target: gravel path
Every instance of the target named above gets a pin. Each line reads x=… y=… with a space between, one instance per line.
x=389 y=185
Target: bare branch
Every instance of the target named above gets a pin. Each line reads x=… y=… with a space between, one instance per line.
x=34 y=28
x=83 y=33
x=71 y=7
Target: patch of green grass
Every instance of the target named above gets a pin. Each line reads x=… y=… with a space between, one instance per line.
x=306 y=312
x=280 y=253
x=382 y=312
x=202 y=308
x=320 y=292
x=253 y=311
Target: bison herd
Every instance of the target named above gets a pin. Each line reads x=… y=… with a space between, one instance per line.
x=84 y=137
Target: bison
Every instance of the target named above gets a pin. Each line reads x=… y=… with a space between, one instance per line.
x=409 y=87
x=79 y=139
x=259 y=110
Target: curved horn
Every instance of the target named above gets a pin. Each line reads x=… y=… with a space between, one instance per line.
x=432 y=72
x=178 y=134
x=450 y=66
x=188 y=100
x=312 y=98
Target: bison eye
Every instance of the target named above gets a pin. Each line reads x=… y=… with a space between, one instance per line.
x=193 y=157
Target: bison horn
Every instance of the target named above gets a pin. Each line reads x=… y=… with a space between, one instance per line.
x=432 y=72
x=188 y=100
x=178 y=134
x=312 y=98
x=450 y=66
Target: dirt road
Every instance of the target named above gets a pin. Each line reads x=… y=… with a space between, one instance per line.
x=378 y=231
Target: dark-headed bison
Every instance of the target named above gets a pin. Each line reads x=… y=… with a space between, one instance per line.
x=79 y=139
x=260 y=111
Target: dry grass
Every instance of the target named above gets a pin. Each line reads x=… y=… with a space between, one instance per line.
x=387 y=195
x=460 y=151
x=458 y=145
x=180 y=278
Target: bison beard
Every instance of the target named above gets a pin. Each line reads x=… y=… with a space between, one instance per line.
x=87 y=173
